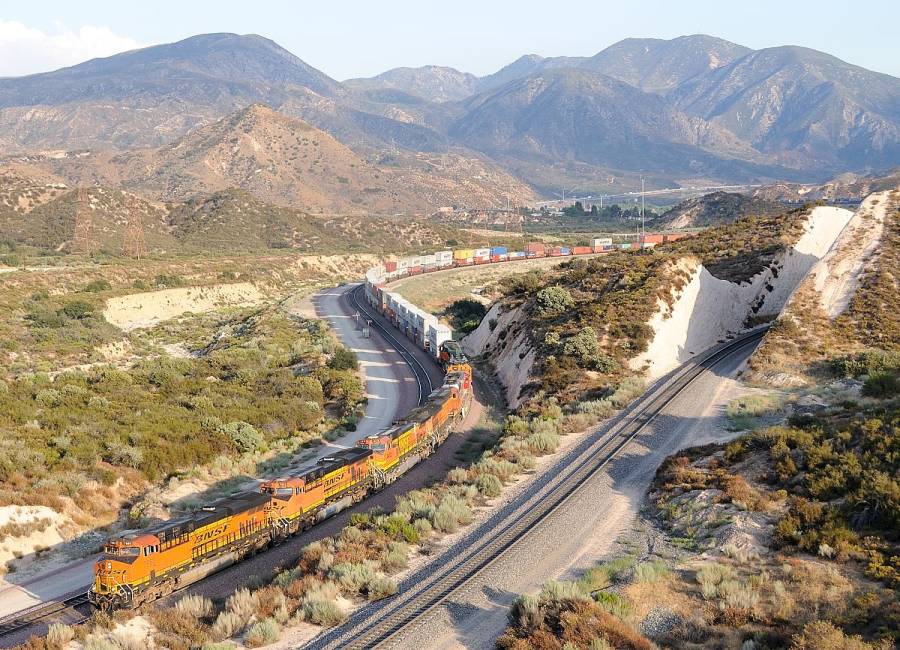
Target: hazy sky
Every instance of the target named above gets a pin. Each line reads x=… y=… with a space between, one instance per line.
x=364 y=37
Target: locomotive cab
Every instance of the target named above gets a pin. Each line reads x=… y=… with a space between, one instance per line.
x=123 y=565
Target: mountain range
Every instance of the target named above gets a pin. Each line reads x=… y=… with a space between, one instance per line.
x=676 y=111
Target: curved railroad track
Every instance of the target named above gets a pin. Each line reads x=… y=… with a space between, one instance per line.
x=380 y=624
x=356 y=299
x=75 y=608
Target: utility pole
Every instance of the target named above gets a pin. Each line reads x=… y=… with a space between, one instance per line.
x=642 y=211
x=82 y=242
x=133 y=242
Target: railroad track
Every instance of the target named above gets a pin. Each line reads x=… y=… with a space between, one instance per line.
x=67 y=610
x=357 y=301
x=382 y=623
x=39 y=613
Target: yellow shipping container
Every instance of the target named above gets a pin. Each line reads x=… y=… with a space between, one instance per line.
x=464 y=253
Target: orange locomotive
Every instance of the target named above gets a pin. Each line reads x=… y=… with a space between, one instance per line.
x=335 y=483
x=138 y=568
x=135 y=569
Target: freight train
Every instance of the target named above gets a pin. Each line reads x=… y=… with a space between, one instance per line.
x=424 y=328
x=135 y=569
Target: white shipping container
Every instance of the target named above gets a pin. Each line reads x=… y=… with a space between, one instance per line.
x=482 y=252
x=444 y=255
x=403 y=263
x=601 y=241
x=415 y=260
x=428 y=260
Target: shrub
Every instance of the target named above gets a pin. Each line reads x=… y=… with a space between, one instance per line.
x=263 y=633
x=351 y=576
x=822 y=635
x=450 y=514
x=96 y=286
x=585 y=349
x=344 y=359
x=881 y=385
x=489 y=485
x=395 y=556
x=319 y=605
x=244 y=436
x=650 y=571
x=710 y=576
x=380 y=587
x=553 y=301
x=195 y=606
x=243 y=603
x=77 y=310
x=59 y=634
x=227 y=625
x=543 y=443
x=99 y=642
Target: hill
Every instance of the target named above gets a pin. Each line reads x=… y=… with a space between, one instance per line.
x=846 y=306
x=806 y=107
x=284 y=161
x=651 y=64
x=715 y=209
x=431 y=82
x=577 y=115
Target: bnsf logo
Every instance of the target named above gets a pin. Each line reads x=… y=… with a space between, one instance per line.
x=209 y=534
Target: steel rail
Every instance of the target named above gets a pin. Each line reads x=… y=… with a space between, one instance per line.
x=379 y=625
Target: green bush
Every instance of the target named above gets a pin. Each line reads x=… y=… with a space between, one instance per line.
x=489 y=485
x=96 y=286
x=344 y=359
x=881 y=385
x=263 y=633
x=553 y=301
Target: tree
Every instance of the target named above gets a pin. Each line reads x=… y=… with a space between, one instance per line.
x=344 y=359
x=553 y=301
x=585 y=349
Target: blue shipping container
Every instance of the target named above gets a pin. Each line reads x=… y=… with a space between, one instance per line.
x=565 y=250
x=517 y=254
x=498 y=250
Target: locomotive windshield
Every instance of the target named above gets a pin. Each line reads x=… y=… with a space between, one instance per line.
x=122 y=551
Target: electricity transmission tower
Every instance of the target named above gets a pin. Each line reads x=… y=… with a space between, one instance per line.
x=133 y=244
x=82 y=242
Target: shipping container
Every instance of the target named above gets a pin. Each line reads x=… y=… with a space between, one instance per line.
x=463 y=254
x=517 y=255
x=482 y=252
x=390 y=266
x=483 y=260
x=444 y=258
x=414 y=270
x=675 y=236
x=499 y=250
x=653 y=238
x=429 y=260
x=403 y=264
x=535 y=247
x=626 y=246
x=415 y=260
x=428 y=268
x=466 y=262
x=599 y=242
x=582 y=250
x=499 y=258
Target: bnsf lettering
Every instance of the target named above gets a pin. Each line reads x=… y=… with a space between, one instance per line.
x=334 y=479
x=209 y=534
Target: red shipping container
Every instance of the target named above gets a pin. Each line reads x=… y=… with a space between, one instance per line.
x=414 y=270
x=653 y=239
x=535 y=247
x=582 y=250
x=390 y=267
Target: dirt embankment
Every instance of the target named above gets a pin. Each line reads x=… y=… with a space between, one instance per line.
x=503 y=336
x=708 y=309
x=150 y=307
x=837 y=276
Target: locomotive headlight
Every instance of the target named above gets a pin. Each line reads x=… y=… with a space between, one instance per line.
x=109 y=566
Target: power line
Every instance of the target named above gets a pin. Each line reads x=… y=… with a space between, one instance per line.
x=82 y=242
x=133 y=241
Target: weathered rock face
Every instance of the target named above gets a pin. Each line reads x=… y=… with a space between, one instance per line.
x=503 y=340
x=708 y=309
